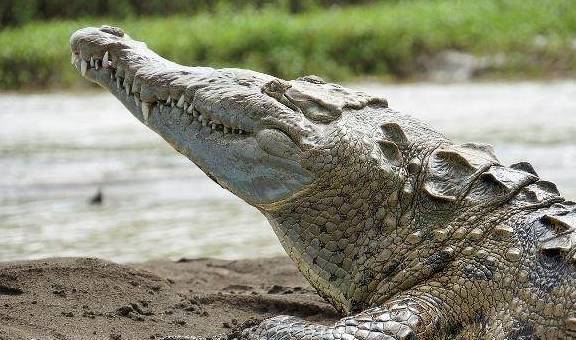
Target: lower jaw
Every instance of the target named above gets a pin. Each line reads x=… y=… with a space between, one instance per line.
x=222 y=156
x=231 y=159
x=182 y=130
x=171 y=120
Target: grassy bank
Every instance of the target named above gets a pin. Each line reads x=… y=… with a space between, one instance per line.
x=384 y=40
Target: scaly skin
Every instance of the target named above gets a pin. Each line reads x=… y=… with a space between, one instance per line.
x=407 y=233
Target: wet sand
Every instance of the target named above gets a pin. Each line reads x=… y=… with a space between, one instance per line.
x=87 y=298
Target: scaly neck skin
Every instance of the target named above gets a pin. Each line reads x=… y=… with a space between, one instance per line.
x=360 y=238
x=357 y=248
x=341 y=238
x=344 y=231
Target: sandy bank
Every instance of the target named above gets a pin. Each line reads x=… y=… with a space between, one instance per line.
x=81 y=298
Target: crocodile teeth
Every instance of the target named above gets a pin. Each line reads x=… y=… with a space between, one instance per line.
x=135 y=88
x=105 y=60
x=127 y=88
x=190 y=109
x=92 y=63
x=180 y=101
x=83 y=67
x=126 y=83
x=118 y=82
x=226 y=130
x=72 y=58
x=137 y=101
x=145 y=110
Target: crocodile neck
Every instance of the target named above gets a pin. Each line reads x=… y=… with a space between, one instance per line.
x=340 y=243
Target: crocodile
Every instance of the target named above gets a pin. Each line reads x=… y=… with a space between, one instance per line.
x=408 y=234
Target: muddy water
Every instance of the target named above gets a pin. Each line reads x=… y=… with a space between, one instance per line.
x=58 y=150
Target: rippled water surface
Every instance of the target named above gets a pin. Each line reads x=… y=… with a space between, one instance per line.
x=56 y=150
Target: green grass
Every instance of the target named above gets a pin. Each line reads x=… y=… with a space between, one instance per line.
x=383 y=40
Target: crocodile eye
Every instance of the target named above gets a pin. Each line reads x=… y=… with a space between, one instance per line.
x=274 y=86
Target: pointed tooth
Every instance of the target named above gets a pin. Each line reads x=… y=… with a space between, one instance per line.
x=96 y=66
x=226 y=130
x=106 y=60
x=127 y=85
x=83 y=67
x=72 y=58
x=213 y=126
x=118 y=82
x=145 y=110
x=137 y=101
x=92 y=63
x=200 y=117
x=195 y=113
x=190 y=109
x=168 y=100
x=240 y=131
x=180 y=101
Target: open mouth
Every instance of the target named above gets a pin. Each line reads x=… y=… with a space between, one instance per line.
x=109 y=71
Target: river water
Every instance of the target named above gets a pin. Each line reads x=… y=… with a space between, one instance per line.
x=58 y=149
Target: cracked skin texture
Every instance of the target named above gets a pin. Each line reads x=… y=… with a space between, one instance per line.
x=404 y=232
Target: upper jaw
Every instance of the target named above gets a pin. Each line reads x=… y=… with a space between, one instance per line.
x=146 y=82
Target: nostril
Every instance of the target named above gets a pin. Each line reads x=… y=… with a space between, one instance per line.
x=112 y=30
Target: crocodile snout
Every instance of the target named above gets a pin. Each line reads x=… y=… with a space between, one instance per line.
x=91 y=40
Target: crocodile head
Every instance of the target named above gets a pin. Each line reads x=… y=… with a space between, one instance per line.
x=220 y=119
x=246 y=130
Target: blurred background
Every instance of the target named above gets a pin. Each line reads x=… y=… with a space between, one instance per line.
x=82 y=177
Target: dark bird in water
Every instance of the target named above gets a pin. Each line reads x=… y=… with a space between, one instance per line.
x=97 y=198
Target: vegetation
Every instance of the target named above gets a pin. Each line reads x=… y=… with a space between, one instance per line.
x=386 y=39
x=18 y=12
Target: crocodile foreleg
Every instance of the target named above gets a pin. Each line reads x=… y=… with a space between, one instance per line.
x=407 y=317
